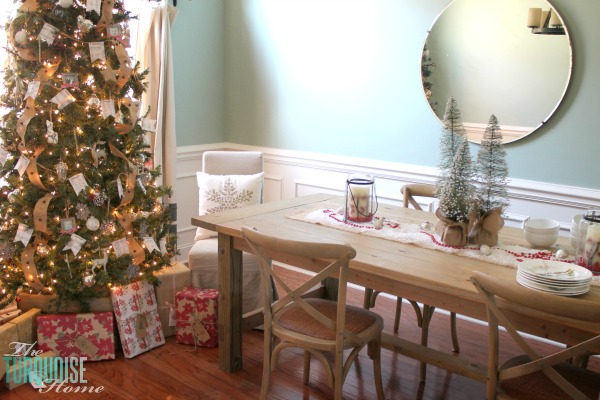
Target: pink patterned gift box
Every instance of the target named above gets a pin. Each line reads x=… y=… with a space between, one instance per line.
x=78 y=335
x=137 y=318
x=196 y=313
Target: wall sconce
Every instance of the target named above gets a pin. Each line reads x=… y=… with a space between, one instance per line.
x=544 y=22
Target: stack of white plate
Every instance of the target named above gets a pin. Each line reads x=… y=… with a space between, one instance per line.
x=554 y=277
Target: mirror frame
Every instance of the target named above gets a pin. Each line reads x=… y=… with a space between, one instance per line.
x=479 y=128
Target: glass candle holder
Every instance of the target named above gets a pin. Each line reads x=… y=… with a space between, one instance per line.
x=361 y=199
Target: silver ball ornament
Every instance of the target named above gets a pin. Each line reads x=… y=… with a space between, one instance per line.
x=485 y=249
x=89 y=280
x=21 y=37
x=42 y=250
x=93 y=101
x=92 y=223
x=561 y=254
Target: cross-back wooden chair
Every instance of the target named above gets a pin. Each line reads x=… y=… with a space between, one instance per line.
x=409 y=192
x=315 y=325
x=531 y=375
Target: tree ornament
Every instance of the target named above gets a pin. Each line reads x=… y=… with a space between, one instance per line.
x=108 y=226
x=83 y=24
x=485 y=249
x=133 y=271
x=7 y=250
x=98 y=197
x=59 y=11
x=65 y=3
x=89 y=279
x=21 y=37
x=42 y=250
x=82 y=211
x=12 y=196
x=93 y=101
x=561 y=254
x=143 y=229
x=92 y=223
x=61 y=171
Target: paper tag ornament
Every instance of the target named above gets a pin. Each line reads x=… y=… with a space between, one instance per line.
x=63 y=99
x=97 y=51
x=151 y=244
x=108 y=108
x=33 y=89
x=48 y=33
x=149 y=124
x=120 y=247
x=22 y=164
x=3 y=156
x=24 y=234
x=93 y=5
x=51 y=135
x=120 y=187
x=75 y=244
x=78 y=182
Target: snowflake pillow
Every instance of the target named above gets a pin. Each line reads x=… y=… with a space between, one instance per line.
x=226 y=192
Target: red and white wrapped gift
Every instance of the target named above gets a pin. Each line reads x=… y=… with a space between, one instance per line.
x=196 y=312
x=137 y=318
x=89 y=335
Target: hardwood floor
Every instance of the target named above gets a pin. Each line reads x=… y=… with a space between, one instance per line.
x=175 y=371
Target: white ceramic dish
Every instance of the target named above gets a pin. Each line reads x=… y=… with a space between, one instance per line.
x=555 y=270
x=541 y=240
x=542 y=226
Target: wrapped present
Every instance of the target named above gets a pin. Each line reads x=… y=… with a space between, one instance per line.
x=137 y=318
x=88 y=335
x=18 y=330
x=25 y=370
x=196 y=312
x=173 y=278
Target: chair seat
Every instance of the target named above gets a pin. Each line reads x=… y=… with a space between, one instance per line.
x=538 y=386
x=203 y=262
x=295 y=319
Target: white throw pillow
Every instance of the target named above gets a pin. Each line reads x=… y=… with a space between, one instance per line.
x=226 y=192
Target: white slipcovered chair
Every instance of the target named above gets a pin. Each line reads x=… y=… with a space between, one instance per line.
x=245 y=169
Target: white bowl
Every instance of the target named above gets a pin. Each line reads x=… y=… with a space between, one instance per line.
x=541 y=240
x=542 y=226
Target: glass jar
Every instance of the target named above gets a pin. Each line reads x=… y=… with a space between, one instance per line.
x=361 y=200
x=588 y=248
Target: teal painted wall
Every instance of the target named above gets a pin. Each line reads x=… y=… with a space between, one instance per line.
x=343 y=77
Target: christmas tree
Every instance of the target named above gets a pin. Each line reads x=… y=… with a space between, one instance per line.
x=456 y=191
x=491 y=170
x=80 y=207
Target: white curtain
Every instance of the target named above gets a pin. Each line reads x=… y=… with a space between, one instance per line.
x=154 y=51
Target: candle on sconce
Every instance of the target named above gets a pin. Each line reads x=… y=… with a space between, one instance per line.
x=554 y=20
x=534 y=17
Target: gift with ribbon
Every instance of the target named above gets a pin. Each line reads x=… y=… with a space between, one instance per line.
x=21 y=329
x=137 y=318
x=173 y=278
x=89 y=335
x=196 y=312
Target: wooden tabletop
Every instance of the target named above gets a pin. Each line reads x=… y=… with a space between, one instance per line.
x=429 y=276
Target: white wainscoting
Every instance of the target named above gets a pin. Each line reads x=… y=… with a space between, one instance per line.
x=290 y=174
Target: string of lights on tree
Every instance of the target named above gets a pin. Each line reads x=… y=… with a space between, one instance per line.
x=80 y=207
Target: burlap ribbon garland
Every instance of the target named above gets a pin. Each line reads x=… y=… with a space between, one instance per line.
x=28 y=265
x=133 y=111
x=125 y=69
x=135 y=249
x=40 y=213
x=131 y=176
x=32 y=169
x=107 y=14
x=26 y=54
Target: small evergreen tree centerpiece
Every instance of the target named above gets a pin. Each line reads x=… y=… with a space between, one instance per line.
x=454 y=187
x=491 y=198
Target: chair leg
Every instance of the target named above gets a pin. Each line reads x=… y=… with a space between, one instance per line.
x=306 y=366
x=398 y=314
x=367 y=298
x=455 y=346
x=268 y=350
x=427 y=314
x=376 y=345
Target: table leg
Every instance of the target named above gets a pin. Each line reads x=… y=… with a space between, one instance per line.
x=427 y=314
x=230 y=305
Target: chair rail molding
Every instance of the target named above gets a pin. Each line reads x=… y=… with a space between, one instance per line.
x=291 y=173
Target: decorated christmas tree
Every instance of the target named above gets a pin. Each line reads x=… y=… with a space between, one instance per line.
x=491 y=170
x=80 y=207
x=456 y=191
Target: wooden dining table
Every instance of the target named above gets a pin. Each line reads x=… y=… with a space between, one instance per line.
x=428 y=276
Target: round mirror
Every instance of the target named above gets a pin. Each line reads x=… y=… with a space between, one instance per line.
x=492 y=59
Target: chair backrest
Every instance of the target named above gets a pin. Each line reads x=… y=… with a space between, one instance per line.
x=231 y=162
x=531 y=301
x=409 y=192
x=329 y=258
